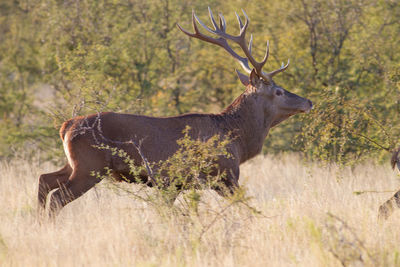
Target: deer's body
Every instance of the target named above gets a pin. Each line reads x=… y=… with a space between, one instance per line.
x=246 y=121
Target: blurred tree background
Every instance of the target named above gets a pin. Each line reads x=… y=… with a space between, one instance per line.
x=62 y=58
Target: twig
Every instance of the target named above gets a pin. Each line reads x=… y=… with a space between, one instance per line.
x=146 y=162
x=351 y=230
x=372 y=191
x=361 y=135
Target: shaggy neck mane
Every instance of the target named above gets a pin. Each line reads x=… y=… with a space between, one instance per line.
x=235 y=105
x=247 y=123
x=239 y=101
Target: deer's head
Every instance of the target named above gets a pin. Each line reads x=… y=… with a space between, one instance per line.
x=276 y=102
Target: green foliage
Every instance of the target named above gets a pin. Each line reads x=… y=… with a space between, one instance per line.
x=343 y=64
x=183 y=176
x=59 y=59
x=193 y=166
x=346 y=131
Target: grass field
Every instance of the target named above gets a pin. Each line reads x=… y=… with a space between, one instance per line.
x=310 y=217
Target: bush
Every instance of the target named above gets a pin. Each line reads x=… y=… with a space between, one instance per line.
x=188 y=172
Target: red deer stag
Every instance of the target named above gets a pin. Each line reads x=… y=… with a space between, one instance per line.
x=387 y=208
x=262 y=105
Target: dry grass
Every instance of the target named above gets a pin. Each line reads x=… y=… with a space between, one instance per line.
x=105 y=228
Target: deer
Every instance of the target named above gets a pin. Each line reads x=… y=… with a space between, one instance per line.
x=249 y=118
x=387 y=208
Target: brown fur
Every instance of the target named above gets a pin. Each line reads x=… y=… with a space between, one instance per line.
x=248 y=120
x=64 y=128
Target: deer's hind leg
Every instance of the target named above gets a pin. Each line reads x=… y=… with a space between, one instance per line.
x=78 y=183
x=387 y=208
x=50 y=181
x=229 y=184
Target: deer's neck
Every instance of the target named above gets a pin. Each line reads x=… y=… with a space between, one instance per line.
x=248 y=124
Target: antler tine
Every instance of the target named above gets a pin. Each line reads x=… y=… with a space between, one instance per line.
x=220 y=31
x=250 y=43
x=221 y=41
x=240 y=39
x=266 y=55
x=246 y=24
x=185 y=31
x=240 y=21
x=282 y=68
x=201 y=23
x=212 y=19
x=194 y=18
x=196 y=33
x=222 y=22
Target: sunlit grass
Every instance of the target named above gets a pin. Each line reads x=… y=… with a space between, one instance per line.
x=310 y=217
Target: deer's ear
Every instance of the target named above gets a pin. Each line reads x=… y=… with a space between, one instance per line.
x=243 y=78
x=254 y=77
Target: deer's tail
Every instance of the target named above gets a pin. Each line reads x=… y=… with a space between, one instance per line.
x=64 y=128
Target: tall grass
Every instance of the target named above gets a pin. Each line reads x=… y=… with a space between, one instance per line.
x=310 y=217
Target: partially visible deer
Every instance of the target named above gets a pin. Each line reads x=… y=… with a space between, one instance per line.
x=387 y=208
x=261 y=106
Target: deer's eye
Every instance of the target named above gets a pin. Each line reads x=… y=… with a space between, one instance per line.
x=278 y=92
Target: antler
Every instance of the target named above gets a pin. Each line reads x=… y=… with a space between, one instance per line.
x=239 y=39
